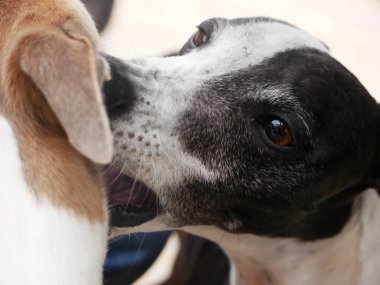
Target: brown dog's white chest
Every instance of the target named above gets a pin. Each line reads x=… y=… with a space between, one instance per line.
x=41 y=242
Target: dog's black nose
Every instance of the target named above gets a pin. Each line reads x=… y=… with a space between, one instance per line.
x=119 y=95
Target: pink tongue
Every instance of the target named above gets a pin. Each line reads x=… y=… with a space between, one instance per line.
x=123 y=190
x=129 y=198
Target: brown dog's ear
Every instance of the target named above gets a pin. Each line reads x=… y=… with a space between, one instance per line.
x=68 y=73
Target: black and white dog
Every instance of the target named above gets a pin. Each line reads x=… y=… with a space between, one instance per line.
x=256 y=138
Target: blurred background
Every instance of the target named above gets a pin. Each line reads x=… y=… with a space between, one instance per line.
x=351 y=29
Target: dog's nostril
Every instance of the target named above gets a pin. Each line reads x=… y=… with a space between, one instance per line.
x=116 y=108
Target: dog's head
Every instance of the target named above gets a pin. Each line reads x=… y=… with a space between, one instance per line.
x=252 y=127
x=50 y=93
x=51 y=73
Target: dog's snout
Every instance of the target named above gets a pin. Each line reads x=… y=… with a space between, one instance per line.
x=118 y=91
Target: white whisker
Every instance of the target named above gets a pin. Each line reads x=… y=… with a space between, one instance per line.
x=120 y=172
x=221 y=238
x=109 y=166
x=135 y=180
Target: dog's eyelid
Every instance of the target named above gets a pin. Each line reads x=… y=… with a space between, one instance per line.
x=201 y=29
x=207 y=27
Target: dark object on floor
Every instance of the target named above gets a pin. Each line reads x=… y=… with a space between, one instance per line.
x=130 y=256
x=100 y=11
x=199 y=262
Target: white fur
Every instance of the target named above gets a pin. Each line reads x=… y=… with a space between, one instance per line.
x=370 y=245
x=41 y=244
x=233 y=275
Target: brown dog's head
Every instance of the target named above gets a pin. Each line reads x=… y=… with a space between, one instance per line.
x=57 y=68
x=50 y=93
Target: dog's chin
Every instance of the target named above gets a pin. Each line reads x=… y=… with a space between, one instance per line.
x=131 y=203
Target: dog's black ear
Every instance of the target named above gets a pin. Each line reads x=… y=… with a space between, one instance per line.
x=68 y=72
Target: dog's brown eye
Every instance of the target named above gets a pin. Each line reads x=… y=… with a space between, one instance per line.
x=278 y=132
x=200 y=38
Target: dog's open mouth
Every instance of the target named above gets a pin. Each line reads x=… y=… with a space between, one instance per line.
x=131 y=202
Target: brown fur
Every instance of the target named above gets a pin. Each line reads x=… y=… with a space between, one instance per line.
x=53 y=168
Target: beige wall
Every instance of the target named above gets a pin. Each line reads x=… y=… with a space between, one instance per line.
x=351 y=28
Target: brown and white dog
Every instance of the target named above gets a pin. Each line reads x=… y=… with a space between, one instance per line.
x=53 y=127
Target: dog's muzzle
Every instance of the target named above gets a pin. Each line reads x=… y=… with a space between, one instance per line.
x=131 y=202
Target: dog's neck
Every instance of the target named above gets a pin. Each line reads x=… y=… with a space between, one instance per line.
x=328 y=219
x=346 y=258
x=351 y=256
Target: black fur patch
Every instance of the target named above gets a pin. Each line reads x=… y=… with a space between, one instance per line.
x=269 y=191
